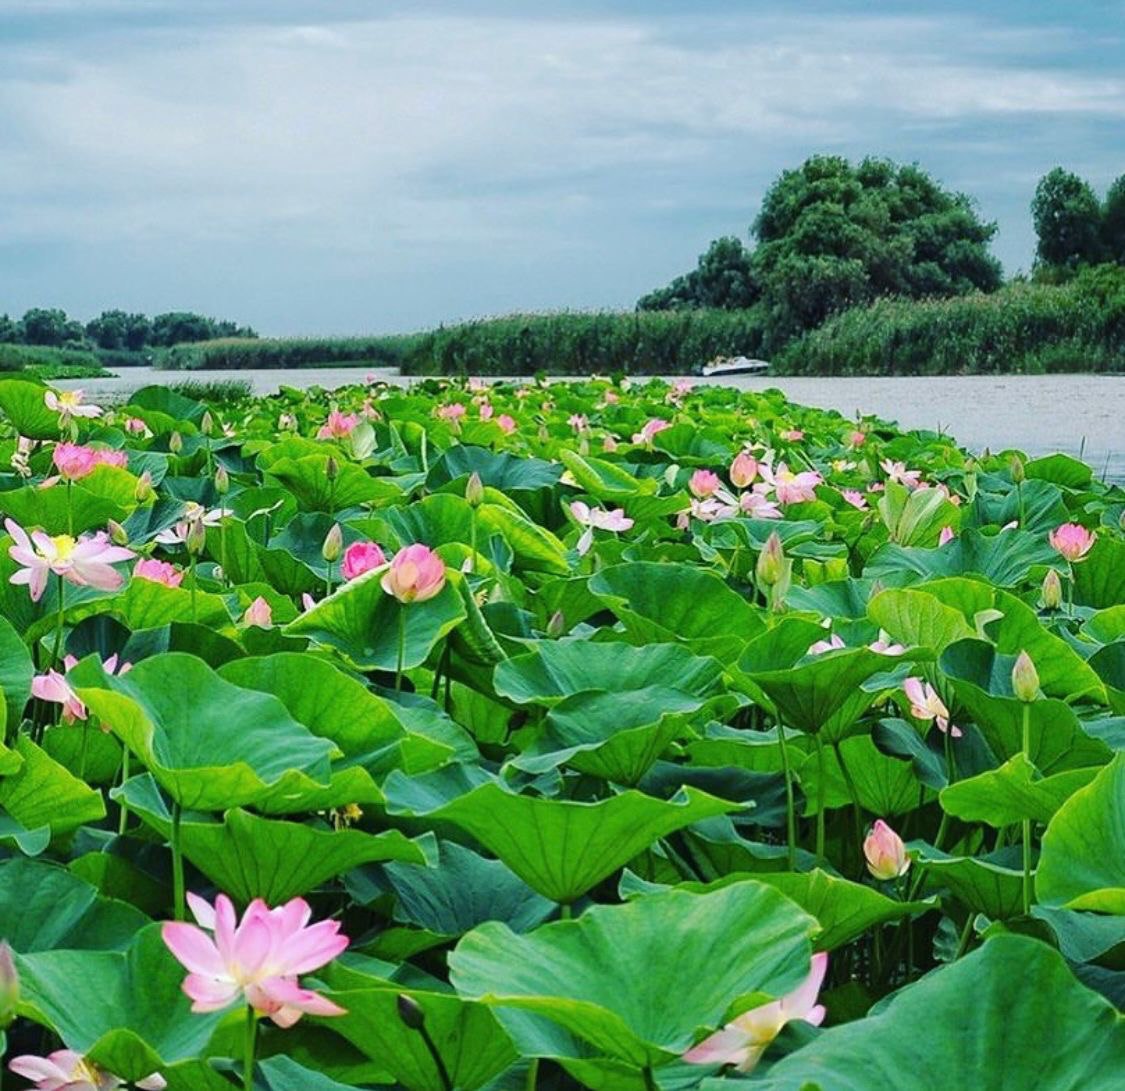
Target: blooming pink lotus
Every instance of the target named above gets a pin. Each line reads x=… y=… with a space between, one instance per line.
x=597 y=519
x=416 y=574
x=507 y=424
x=65 y=1070
x=136 y=426
x=790 y=487
x=884 y=646
x=85 y=561
x=925 y=704
x=855 y=498
x=856 y=438
x=830 y=645
x=259 y=614
x=704 y=483
x=578 y=422
x=193 y=513
x=758 y=505
x=452 y=412
x=69 y=404
x=74 y=461
x=743 y=1041
x=1072 y=540
x=897 y=471
x=650 y=430
x=148 y=568
x=338 y=426
x=743 y=470
x=792 y=435
x=361 y=557
x=54 y=688
x=258 y=958
x=885 y=852
x=485 y=410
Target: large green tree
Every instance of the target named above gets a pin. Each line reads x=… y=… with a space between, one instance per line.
x=1068 y=220
x=1113 y=222
x=723 y=278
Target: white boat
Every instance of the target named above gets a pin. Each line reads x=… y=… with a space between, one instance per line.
x=735 y=365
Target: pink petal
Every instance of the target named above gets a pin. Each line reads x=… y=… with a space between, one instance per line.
x=287 y=993
x=193 y=948
x=208 y=993
x=313 y=947
x=727 y=1046
x=201 y=909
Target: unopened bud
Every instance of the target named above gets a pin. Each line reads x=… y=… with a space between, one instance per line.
x=1051 y=592
x=1025 y=678
x=410 y=1012
x=1016 y=470
x=143 y=491
x=771 y=561
x=222 y=480
x=9 y=986
x=175 y=443
x=556 y=625
x=333 y=544
x=331 y=469
x=196 y=540
x=117 y=533
x=207 y=424
x=474 y=490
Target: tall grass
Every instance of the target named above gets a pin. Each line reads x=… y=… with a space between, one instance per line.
x=238 y=354
x=18 y=357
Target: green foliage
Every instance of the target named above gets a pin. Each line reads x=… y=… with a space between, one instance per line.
x=237 y=353
x=723 y=278
x=1068 y=220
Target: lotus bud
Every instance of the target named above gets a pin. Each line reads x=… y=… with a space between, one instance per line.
x=333 y=544
x=474 y=490
x=331 y=469
x=143 y=490
x=771 y=561
x=9 y=986
x=1025 y=678
x=584 y=445
x=196 y=540
x=416 y=574
x=222 y=480
x=1016 y=470
x=743 y=470
x=207 y=424
x=1051 y=592
x=258 y=613
x=556 y=625
x=175 y=443
x=885 y=852
x=117 y=533
x=410 y=1012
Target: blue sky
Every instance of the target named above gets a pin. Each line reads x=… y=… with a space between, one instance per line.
x=346 y=167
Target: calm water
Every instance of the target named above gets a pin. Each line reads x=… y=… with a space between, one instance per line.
x=1078 y=414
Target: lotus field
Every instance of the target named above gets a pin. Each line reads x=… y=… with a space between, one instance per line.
x=601 y=735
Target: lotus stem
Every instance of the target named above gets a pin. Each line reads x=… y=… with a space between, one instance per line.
x=123 y=817
x=248 y=1049
x=328 y=582
x=565 y=911
x=856 y=809
x=401 y=647
x=69 y=509
x=193 y=615
x=790 y=813
x=82 y=749
x=472 y=539
x=820 y=793
x=177 y=864
x=650 y=1079
x=966 y=932
x=223 y=544
x=532 y=1074
x=56 y=655
x=1027 y=821
x=1070 y=592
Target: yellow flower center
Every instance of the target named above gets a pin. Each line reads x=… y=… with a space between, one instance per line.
x=64 y=545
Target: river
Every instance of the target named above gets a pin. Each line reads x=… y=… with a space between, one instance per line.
x=1079 y=414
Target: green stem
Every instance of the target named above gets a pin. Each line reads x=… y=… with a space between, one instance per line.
x=123 y=817
x=193 y=615
x=950 y=764
x=177 y=864
x=1070 y=592
x=966 y=932
x=820 y=792
x=439 y=1064
x=248 y=1049
x=857 y=811
x=532 y=1077
x=82 y=750
x=401 y=647
x=1027 y=821
x=565 y=911
x=328 y=582
x=56 y=655
x=69 y=510
x=650 y=1079
x=790 y=812
x=223 y=545
x=472 y=539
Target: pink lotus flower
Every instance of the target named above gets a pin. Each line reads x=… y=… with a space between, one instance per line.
x=610 y=397
x=54 y=688
x=650 y=430
x=416 y=574
x=947 y=535
x=856 y=499
x=158 y=572
x=742 y=1042
x=829 y=645
x=792 y=435
x=86 y=562
x=507 y=424
x=307 y=601
x=338 y=426
x=703 y=484
x=361 y=557
x=69 y=404
x=885 y=852
x=897 y=471
x=790 y=487
x=259 y=613
x=743 y=470
x=65 y=1070
x=1072 y=540
x=193 y=513
x=884 y=646
x=609 y=444
x=856 y=438
x=73 y=461
x=925 y=704
x=758 y=505
x=597 y=519
x=258 y=959
x=578 y=422
x=485 y=410
x=452 y=412
x=136 y=426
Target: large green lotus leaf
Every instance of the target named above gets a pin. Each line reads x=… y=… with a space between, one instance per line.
x=22 y=403
x=884 y=785
x=125 y=1010
x=223 y=747
x=823 y=691
x=463 y=890
x=604 y=480
x=16 y=670
x=1099 y=580
x=559 y=847
x=917 y=619
x=146 y=604
x=662 y=603
x=992 y=885
x=836 y=599
x=502 y=470
x=615 y=736
x=1062 y=469
x=55 y=513
x=559 y=668
x=435 y=520
x=1062 y=671
x=362 y=621
x=250 y=857
x=916 y=517
x=1036 y=506
x=1082 y=862
x=1009 y=1015
x=1015 y=791
x=982 y=681
x=15 y=834
x=638 y=981
x=1004 y=560
x=1109 y=663
x=44 y=907
x=330 y=703
x=171 y=403
x=536 y=549
x=471 y=1043
x=307 y=479
x=43 y=793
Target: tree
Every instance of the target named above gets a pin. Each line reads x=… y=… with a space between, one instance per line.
x=1068 y=220
x=1113 y=222
x=45 y=326
x=9 y=329
x=107 y=331
x=723 y=278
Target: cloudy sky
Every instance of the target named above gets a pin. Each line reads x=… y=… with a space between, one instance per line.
x=343 y=167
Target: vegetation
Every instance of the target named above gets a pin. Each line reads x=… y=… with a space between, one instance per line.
x=236 y=354
x=1073 y=227
x=50 y=362
x=536 y=733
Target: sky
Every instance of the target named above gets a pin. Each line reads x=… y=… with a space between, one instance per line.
x=347 y=167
